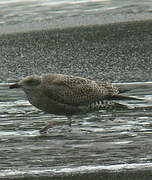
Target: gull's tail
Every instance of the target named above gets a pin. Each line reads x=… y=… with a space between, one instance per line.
x=124 y=98
x=125 y=87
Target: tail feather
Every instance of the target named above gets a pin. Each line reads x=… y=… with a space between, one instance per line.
x=125 y=87
x=122 y=97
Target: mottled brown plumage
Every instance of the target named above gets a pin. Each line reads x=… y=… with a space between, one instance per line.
x=68 y=95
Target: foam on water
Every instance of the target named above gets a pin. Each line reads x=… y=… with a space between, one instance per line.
x=74 y=170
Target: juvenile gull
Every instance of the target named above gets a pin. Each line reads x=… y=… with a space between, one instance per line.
x=69 y=95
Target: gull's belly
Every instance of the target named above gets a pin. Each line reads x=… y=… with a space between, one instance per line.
x=48 y=105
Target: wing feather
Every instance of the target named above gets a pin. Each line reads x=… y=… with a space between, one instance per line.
x=76 y=90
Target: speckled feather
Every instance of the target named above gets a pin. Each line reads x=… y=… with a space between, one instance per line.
x=74 y=90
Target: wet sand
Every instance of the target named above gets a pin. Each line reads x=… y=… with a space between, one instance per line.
x=114 y=52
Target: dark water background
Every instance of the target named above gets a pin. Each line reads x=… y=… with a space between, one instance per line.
x=102 y=145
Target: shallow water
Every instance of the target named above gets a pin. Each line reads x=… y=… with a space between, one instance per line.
x=105 y=140
x=32 y=15
x=25 y=11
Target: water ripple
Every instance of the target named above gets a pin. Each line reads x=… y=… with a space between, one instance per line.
x=122 y=135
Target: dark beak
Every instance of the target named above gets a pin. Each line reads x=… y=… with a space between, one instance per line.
x=16 y=85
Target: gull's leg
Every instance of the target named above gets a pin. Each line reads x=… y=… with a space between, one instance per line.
x=69 y=121
x=55 y=123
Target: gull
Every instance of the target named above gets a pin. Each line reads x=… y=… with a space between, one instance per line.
x=68 y=95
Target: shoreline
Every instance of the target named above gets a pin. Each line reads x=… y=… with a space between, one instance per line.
x=105 y=18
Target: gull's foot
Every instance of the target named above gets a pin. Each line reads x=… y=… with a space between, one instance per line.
x=43 y=131
x=69 y=123
x=54 y=123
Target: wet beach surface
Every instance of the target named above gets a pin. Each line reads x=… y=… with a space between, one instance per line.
x=115 y=52
x=108 y=144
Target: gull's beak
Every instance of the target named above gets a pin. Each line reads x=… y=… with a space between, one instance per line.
x=16 y=85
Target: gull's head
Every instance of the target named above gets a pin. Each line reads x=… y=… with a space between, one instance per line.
x=30 y=83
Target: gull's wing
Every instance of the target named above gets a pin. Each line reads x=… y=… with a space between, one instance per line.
x=76 y=90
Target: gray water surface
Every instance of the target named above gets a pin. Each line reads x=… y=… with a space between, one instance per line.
x=24 y=11
x=105 y=140
x=32 y=15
